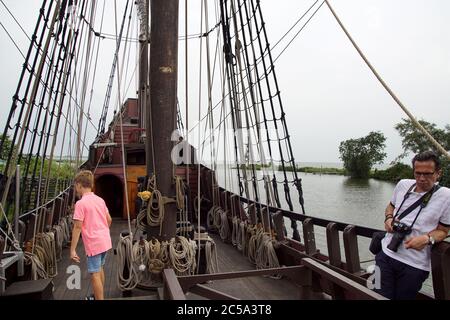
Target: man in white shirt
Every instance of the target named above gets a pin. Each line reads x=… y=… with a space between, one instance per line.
x=405 y=258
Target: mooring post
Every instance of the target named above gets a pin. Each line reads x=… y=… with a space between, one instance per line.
x=266 y=219
x=440 y=260
x=334 y=249
x=278 y=221
x=308 y=236
x=353 y=264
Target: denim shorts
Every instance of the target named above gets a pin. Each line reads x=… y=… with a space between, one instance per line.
x=95 y=263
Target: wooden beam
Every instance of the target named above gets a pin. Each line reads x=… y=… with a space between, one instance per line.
x=360 y=291
x=353 y=264
x=308 y=236
x=293 y=272
x=210 y=293
x=252 y=214
x=265 y=219
x=334 y=248
x=440 y=260
x=278 y=221
x=172 y=288
x=298 y=256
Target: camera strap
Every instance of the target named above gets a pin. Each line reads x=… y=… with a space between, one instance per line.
x=422 y=202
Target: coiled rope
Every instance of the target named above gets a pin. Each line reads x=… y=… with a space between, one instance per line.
x=43 y=260
x=261 y=250
x=155 y=260
x=235 y=230
x=37 y=268
x=212 y=264
x=67 y=224
x=210 y=219
x=156 y=206
x=59 y=240
x=145 y=258
x=124 y=251
x=155 y=210
x=224 y=229
x=217 y=220
x=180 y=192
x=242 y=239
x=180 y=188
x=182 y=255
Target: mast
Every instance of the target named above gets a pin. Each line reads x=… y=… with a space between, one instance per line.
x=161 y=112
x=143 y=11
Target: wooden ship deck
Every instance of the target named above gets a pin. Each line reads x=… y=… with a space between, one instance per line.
x=230 y=260
x=127 y=156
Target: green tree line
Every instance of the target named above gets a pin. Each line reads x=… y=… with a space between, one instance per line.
x=360 y=155
x=59 y=169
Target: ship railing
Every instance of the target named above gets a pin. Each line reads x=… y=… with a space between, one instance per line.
x=43 y=217
x=291 y=250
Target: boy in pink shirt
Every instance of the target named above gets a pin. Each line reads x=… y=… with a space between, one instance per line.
x=92 y=219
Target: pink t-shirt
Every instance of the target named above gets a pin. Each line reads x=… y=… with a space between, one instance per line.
x=92 y=210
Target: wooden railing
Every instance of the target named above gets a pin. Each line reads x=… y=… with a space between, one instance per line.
x=291 y=250
x=46 y=215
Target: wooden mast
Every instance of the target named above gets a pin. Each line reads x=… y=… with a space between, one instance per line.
x=143 y=6
x=161 y=113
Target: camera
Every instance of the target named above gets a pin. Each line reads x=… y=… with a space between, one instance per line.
x=400 y=231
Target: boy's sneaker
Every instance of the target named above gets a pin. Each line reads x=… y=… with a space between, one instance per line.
x=89 y=297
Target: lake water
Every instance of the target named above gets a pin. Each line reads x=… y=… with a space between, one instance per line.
x=338 y=198
x=332 y=197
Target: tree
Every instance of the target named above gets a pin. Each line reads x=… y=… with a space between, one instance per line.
x=413 y=140
x=5 y=148
x=359 y=155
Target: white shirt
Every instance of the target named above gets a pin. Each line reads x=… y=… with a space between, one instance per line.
x=437 y=211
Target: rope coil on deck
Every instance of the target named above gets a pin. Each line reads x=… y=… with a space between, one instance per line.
x=234 y=231
x=124 y=253
x=182 y=255
x=37 y=268
x=59 y=240
x=43 y=260
x=143 y=258
x=155 y=209
x=224 y=230
x=212 y=264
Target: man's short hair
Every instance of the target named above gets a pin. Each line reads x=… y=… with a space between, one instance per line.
x=427 y=156
x=85 y=178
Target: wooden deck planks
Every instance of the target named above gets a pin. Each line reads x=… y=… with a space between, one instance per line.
x=251 y=288
x=63 y=293
x=229 y=258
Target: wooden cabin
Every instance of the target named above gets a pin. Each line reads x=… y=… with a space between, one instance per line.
x=105 y=161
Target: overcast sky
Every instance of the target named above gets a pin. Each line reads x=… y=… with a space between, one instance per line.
x=328 y=93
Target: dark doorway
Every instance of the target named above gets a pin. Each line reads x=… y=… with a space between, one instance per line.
x=110 y=188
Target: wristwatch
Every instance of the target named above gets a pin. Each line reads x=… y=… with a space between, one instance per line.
x=431 y=240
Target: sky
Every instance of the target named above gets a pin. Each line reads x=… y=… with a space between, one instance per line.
x=328 y=93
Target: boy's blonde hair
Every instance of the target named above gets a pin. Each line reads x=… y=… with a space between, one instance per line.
x=85 y=178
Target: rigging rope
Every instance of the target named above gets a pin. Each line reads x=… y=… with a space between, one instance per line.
x=125 y=180
x=13 y=156
x=387 y=88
